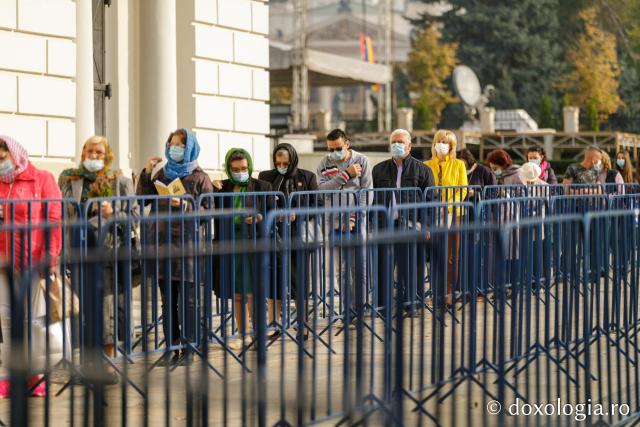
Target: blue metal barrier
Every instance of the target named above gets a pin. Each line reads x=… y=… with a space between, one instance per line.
x=578 y=204
x=453 y=194
x=491 y=192
x=510 y=300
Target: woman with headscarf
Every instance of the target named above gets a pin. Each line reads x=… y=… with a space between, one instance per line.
x=239 y=168
x=93 y=179
x=181 y=152
x=20 y=180
x=288 y=178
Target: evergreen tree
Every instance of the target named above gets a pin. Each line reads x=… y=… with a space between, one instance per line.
x=546 y=112
x=512 y=45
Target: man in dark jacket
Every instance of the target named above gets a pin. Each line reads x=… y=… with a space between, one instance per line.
x=402 y=171
x=287 y=178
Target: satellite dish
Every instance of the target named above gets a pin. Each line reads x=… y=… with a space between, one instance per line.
x=467 y=86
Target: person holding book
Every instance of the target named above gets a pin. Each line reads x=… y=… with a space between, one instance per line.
x=94 y=178
x=181 y=175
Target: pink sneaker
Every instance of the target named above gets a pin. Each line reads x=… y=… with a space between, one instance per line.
x=40 y=390
x=5 y=387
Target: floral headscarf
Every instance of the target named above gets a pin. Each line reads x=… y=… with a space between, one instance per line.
x=20 y=159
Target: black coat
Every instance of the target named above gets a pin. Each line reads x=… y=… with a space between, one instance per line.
x=414 y=174
x=303 y=180
x=181 y=236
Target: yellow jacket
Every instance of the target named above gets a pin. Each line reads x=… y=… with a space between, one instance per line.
x=450 y=173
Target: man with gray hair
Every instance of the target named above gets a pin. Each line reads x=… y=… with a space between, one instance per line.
x=402 y=170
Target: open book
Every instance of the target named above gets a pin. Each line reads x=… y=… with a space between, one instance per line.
x=174 y=188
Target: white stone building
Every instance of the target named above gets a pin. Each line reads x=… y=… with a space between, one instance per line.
x=197 y=64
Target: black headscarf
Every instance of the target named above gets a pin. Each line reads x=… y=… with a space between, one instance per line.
x=285 y=183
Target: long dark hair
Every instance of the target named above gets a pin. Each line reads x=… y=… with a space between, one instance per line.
x=627 y=170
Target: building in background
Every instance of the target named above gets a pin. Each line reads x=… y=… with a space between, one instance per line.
x=336 y=27
x=134 y=70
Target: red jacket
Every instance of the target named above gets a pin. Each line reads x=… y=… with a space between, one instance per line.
x=32 y=184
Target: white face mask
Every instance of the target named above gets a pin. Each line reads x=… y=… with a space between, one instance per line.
x=93 y=165
x=442 y=148
x=6 y=167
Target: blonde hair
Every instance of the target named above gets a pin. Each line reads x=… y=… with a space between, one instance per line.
x=606 y=160
x=447 y=136
x=403 y=132
x=99 y=140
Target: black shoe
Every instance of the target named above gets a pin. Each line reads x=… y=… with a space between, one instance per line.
x=170 y=361
x=186 y=359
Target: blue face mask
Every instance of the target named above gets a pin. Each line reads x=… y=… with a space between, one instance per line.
x=176 y=153
x=397 y=150
x=620 y=163
x=94 y=165
x=6 y=167
x=338 y=155
x=240 y=176
x=535 y=161
x=282 y=171
x=498 y=172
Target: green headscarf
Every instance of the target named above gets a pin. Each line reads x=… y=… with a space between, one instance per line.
x=227 y=165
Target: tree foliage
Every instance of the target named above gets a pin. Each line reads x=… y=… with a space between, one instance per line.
x=594 y=68
x=430 y=64
x=512 y=45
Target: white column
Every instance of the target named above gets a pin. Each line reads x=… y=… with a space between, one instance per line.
x=85 y=118
x=571 y=116
x=158 y=86
x=118 y=72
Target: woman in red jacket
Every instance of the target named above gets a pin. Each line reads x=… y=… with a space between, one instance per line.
x=20 y=180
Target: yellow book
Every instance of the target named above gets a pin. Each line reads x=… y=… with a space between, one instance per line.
x=174 y=188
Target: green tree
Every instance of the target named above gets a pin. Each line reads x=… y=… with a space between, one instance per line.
x=593 y=121
x=594 y=68
x=546 y=119
x=430 y=64
x=512 y=45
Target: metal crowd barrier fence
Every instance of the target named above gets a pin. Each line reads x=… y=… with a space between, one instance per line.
x=384 y=325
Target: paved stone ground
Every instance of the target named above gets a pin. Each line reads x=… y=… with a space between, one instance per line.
x=326 y=383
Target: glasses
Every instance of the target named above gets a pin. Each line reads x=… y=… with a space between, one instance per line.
x=95 y=153
x=331 y=150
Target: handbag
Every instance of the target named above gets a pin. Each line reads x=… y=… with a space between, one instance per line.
x=58 y=309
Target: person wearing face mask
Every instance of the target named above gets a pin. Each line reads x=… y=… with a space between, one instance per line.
x=181 y=153
x=345 y=169
x=587 y=171
x=624 y=165
x=502 y=166
x=477 y=174
x=449 y=172
x=537 y=156
x=20 y=180
x=402 y=170
x=94 y=178
x=243 y=268
x=287 y=178
x=609 y=176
